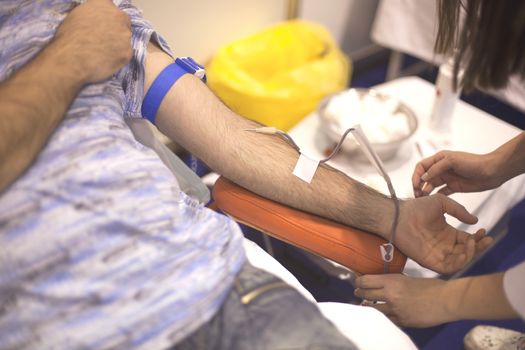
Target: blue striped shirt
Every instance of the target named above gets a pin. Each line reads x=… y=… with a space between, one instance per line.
x=98 y=246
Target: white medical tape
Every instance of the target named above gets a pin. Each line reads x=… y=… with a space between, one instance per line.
x=305 y=168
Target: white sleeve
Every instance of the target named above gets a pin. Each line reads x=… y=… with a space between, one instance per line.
x=514 y=286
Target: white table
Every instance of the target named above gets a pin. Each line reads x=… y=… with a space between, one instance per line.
x=473 y=131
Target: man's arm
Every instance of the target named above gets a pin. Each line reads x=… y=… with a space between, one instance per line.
x=194 y=117
x=90 y=45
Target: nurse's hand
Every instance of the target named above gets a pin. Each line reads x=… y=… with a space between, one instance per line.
x=457 y=171
x=407 y=301
x=425 y=302
x=95 y=37
x=424 y=235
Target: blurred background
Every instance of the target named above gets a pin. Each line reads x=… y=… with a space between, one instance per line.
x=198 y=28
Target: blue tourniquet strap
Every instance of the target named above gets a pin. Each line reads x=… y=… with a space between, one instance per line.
x=159 y=89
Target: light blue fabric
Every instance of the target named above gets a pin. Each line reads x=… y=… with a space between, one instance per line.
x=98 y=246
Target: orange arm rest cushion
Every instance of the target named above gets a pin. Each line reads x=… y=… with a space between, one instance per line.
x=350 y=247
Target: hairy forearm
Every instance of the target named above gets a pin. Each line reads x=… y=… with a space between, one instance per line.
x=479 y=297
x=32 y=103
x=264 y=164
x=510 y=158
x=195 y=118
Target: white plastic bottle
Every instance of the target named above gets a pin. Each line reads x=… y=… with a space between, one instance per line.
x=445 y=100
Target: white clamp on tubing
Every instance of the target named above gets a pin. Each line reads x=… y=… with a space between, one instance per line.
x=387 y=252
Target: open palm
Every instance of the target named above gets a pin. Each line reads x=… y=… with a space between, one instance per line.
x=426 y=237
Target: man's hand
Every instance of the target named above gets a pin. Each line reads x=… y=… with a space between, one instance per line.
x=458 y=171
x=425 y=236
x=96 y=36
x=92 y=43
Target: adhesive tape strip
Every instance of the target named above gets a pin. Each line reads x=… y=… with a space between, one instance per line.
x=305 y=168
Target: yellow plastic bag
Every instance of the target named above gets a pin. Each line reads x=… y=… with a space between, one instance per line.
x=279 y=75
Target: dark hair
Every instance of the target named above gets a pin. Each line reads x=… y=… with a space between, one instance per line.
x=488 y=41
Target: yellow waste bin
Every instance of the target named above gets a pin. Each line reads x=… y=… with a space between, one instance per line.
x=279 y=75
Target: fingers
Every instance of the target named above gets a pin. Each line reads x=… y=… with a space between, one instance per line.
x=466 y=248
x=438 y=168
x=128 y=24
x=370 y=294
x=370 y=281
x=470 y=251
x=100 y=33
x=479 y=235
x=457 y=210
x=480 y=240
x=483 y=242
x=454 y=262
x=427 y=172
x=416 y=179
x=371 y=287
x=461 y=255
x=383 y=307
x=446 y=191
x=426 y=189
